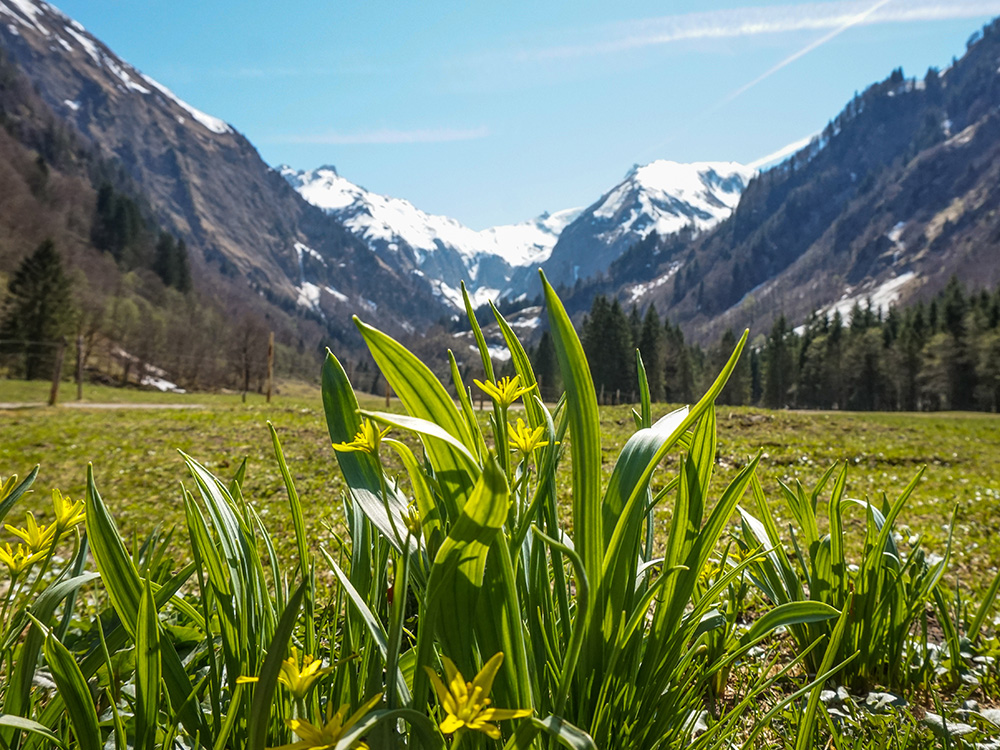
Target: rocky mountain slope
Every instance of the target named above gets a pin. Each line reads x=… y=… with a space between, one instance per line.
x=900 y=192
x=247 y=229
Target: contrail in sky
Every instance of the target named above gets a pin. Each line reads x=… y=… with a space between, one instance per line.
x=853 y=21
x=845 y=24
x=775 y=19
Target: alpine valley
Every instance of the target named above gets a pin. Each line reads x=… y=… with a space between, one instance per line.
x=899 y=192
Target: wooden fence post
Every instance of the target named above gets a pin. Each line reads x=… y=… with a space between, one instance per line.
x=388 y=393
x=79 y=367
x=270 y=365
x=57 y=372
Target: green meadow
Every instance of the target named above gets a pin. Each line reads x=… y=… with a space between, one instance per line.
x=138 y=468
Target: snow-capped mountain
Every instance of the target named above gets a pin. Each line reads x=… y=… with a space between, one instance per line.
x=440 y=248
x=662 y=197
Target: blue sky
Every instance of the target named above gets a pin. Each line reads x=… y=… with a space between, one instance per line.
x=494 y=112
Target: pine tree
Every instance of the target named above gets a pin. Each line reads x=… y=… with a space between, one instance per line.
x=778 y=365
x=737 y=390
x=38 y=309
x=170 y=262
x=546 y=368
x=651 y=347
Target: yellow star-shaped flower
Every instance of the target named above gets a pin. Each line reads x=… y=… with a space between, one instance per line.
x=465 y=703
x=327 y=736
x=38 y=537
x=298 y=679
x=68 y=514
x=505 y=391
x=524 y=439
x=367 y=439
x=18 y=560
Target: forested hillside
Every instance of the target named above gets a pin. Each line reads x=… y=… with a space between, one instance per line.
x=129 y=288
x=943 y=353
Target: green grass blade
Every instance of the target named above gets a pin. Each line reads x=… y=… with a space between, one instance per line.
x=123 y=585
x=477 y=332
x=522 y=366
x=426 y=733
x=361 y=471
x=457 y=571
x=75 y=694
x=27 y=725
x=17 y=696
x=121 y=579
x=11 y=500
x=430 y=430
x=373 y=624
x=585 y=435
x=456 y=577
x=431 y=529
x=557 y=729
x=646 y=413
x=467 y=409
x=418 y=388
x=147 y=669
x=582 y=609
x=805 y=739
x=305 y=559
x=984 y=608
x=788 y=614
x=263 y=694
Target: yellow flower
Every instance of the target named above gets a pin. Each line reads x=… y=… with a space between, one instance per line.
x=38 y=537
x=412 y=520
x=708 y=574
x=327 y=736
x=466 y=702
x=366 y=440
x=505 y=392
x=298 y=679
x=525 y=439
x=68 y=514
x=19 y=560
x=740 y=555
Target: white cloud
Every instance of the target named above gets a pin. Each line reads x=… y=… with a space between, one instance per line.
x=775 y=19
x=388 y=136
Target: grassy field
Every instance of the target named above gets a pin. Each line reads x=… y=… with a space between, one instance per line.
x=135 y=456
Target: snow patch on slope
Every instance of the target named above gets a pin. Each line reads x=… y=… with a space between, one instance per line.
x=212 y=123
x=882 y=298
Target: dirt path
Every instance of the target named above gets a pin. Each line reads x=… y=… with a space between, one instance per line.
x=9 y=406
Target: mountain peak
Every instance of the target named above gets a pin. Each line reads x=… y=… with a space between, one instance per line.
x=74 y=41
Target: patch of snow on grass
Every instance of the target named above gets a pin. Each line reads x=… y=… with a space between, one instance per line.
x=161 y=385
